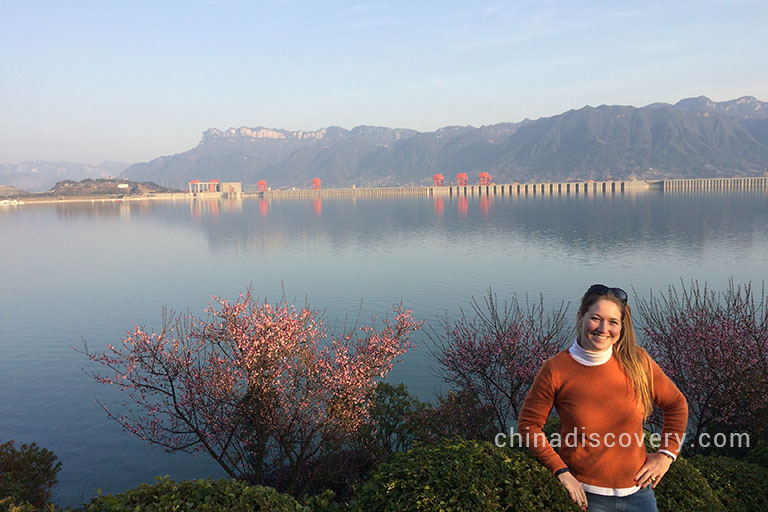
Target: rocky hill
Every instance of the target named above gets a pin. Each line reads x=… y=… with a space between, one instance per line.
x=9 y=191
x=105 y=187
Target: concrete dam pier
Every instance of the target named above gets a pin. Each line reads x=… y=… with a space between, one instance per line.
x=716 y=184
x=586 y=188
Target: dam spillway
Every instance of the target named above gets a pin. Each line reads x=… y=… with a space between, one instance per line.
x=527 y=189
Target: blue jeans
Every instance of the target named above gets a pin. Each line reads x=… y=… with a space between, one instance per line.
x=642 y=501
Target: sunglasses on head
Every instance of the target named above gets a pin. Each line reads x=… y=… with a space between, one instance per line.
x=601 y=289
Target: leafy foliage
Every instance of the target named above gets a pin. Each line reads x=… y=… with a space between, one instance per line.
x=457 y=414
x=391 y=427
x=399 y=420
x=165 y=495
x=326 y=501
x=27 y=474
x=8 y=504
x=758 y=454
x=336 y=471
x=685 y=488
x=740 y=486
x=460 y=476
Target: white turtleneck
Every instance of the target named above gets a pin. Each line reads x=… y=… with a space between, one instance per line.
x=587 y=357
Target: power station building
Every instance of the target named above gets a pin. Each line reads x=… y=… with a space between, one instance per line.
x=215 y=188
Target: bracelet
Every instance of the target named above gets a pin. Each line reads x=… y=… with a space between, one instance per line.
x=561 y=471
x=668 y=455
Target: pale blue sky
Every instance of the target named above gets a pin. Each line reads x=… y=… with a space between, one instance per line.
x=133 y=80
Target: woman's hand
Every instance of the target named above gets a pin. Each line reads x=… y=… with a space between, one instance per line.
x=574 y=488
x=655 y=467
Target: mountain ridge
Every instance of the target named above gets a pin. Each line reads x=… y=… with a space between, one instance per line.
x=695 y=137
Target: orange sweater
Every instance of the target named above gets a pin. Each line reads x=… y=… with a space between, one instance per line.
x=598 y=403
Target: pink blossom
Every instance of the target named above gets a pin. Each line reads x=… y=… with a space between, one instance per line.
x=496 y=354
x=255 y=385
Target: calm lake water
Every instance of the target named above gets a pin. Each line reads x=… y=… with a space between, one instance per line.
x=76 y=271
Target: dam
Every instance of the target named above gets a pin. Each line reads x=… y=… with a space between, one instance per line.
x=589 y=187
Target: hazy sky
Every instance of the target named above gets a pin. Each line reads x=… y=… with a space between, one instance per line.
x=131 y=80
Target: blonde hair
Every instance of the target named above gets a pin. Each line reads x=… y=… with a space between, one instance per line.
x=633 y=359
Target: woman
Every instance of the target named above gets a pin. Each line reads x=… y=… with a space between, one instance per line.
x=603 y=388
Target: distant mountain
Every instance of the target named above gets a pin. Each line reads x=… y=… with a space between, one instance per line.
x=693 y=138
x=746 y=107
x=39 y=176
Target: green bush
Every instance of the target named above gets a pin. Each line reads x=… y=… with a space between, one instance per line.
x=390 y=429
x=456 y=414
x=758 y=454
x=740 y=486
x=203 y=495
x=337 y=470
x=324 y=502
x=27 y=474
x=684 y=489
x=462 y=475
x=8 y=505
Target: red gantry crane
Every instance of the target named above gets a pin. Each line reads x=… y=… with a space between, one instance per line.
x=317 y=184
x=462 y=179
x=438 y=180
x=262 y=185
x=485 y=178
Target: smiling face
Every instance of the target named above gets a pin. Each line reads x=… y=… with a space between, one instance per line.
x=599 y=327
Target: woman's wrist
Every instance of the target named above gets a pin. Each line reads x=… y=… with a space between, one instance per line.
x=667 y=455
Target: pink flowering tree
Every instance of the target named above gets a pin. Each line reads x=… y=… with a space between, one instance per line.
x=714 y=346
x=256 y=386
x=496 y=354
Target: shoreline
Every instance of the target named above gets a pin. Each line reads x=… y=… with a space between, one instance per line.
x=98 y=199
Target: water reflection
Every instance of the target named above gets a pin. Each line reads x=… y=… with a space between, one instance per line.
x=439 y=206
x=213 y=207
x=586 y=221
x=484 y=203
x=462 y=206
x=199 y=208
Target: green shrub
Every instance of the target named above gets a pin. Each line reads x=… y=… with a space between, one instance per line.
x=324 y=502
x=456 y=414
x=390 y=428
x=337 y=470
x=203 y=495
x=758 y=454
x=684 y=489
x=740 y=486
x=462 y=475
x=8 y=505
x=28 y=474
